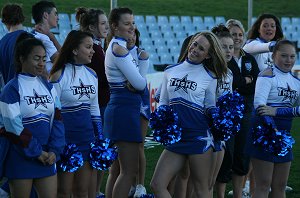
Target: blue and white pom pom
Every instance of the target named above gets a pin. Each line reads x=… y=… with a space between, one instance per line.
x=71 y=159
x=102 y=154
x=164 y=125
x=227 y=118
x=279 y=143
x=147 y=196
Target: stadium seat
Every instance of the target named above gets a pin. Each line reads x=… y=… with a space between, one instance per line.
x=139 y=19
x=155 y=34
x=174 y=19
x=145 y=42
x=63 y=17
x=154 y=58
x=152 y=27
x=166 y=58
x=162 y=20
x=174 y=50
x=168 y=34
x=172 y=42
x=189 y=27
x=150 y=19
x=209 y=20
x=161 y=49
x=219 y=20
x=149 y=49
x=295 y=36
x=177 y=27
x=185 y=20
x=197 y=20
x=180 y=35
x=285 y=21
x=165 y=27
x=159 y=42
x=295 y=20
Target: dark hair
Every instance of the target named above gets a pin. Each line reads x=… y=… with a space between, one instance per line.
x=23 y=49
x=39 y=8
x=115 y=15
x=12 y=14
x=281 y=43
x=73 y=40
x=137 y=36
x=253 y=32
x=87 y=17
x=221 y=31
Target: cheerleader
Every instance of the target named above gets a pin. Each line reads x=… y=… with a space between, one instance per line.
x=223 y=86
x=276 y=88
x=261 y=39
x=95 y=22
x=142 y=59
x=122 y=115
x=32 y=122
x=190 y=89
x=77 y=87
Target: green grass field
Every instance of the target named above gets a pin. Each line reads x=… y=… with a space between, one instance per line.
x=229 y=9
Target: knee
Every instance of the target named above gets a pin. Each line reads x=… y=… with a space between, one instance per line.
x=154 y=185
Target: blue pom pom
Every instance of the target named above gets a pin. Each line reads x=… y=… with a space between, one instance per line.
x=102 y=154
x=279 y=143
x=71 y=159
x=164 y=125
x=227 y=118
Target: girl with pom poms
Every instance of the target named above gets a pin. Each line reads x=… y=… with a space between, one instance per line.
x=190 y=90
x=276 y=92
x=77 y=87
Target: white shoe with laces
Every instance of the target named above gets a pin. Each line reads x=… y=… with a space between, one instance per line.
x=139 y=191
x=3 y=194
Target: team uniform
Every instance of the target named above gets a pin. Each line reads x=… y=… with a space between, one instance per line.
x=278 y=89
x=7 y=48
x=49 y=46
x=77 y=90
x=260 y=49
x=97 y=64
x=28 y=107
x=190 y=89
x=122 y=114
x=143 y=65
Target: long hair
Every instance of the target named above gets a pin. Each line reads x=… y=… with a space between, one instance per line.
x=217 y=62
x=73 y=40
x=253 y=32
x=23 y=49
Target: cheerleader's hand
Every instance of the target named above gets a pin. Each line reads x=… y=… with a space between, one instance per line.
x=130 y=87
x=265 y=110
x=51 y=158
x=43 y=157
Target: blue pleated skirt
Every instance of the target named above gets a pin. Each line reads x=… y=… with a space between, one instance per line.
x=122 y=116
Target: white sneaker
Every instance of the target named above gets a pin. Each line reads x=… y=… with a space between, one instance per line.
x=230 y=193
x=288 y=189
x=246 y=194
x=139 y=191
x=131 y=191
x=3 y=194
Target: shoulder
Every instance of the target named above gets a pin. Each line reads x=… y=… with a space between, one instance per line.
x=142 y=54
x=91 y=71
x=268 y=72
x=119 y=50
x=211 y=73
x=56 y=77
x=171 y=67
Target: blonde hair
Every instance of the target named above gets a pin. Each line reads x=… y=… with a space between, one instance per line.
x=217 y=61
x=233 y=22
